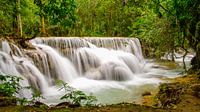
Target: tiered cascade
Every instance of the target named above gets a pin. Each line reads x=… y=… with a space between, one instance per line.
x=60 y=58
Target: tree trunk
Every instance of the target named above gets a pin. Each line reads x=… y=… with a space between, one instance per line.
x=43 y=26
x=196 y=45
x=20 y=33
x=19 y=21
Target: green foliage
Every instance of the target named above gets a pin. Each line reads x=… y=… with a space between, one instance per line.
x=76 y=96
x=41 y=5
x=55 y=12
x=106 y=17
x=8 y=17
x=61 y=15
x=101 y=17
x=61 y=12
x=7 y=8
x=9 y=85
x=30 y=21
x=184 y=17
x=167 y=25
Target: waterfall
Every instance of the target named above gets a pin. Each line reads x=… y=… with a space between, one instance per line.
x=5 y=47
x=8 y=66
x=135 y=48
x=70 y=59
x=104 y=64
x=60 y=67
x=67 y=46
x=97 y=58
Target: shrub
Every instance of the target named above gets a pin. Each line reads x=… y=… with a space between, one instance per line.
x=9 y=85
x=75 y=96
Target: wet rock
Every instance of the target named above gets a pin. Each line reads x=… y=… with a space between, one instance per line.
x=40 y=104
x=63 y=104
x=67 y=104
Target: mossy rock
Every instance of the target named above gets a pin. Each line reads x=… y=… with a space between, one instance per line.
x=8 y=101
x=169 y=94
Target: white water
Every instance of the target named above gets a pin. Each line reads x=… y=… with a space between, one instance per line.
x=63 y=68
x=113 y=69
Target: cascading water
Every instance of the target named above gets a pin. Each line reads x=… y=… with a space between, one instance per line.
x=60 y=67
x=103 y=66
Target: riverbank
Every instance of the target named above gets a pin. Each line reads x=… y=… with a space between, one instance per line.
x=181 y=94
